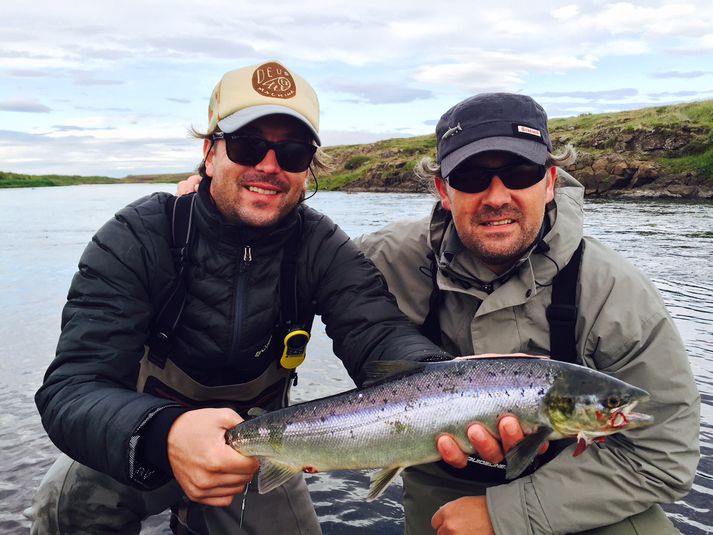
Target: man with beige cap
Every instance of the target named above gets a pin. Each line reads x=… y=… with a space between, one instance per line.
x=185 y=313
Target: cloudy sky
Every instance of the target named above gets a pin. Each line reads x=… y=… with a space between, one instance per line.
x=112 y=87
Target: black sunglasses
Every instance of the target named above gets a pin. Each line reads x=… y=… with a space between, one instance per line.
x=470 y=178
x=248 y=150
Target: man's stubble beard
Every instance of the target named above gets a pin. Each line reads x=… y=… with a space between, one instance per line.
x=504 y=258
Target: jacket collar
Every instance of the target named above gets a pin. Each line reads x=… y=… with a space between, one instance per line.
x=212 y=225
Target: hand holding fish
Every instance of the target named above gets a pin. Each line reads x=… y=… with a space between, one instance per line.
x=486 y=445
x=206 y=468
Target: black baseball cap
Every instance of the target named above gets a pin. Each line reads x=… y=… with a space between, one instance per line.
x=492 y=121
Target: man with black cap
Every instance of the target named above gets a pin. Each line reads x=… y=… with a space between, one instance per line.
x=186 y=313
x=501 y=266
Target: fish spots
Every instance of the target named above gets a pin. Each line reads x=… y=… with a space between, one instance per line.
x=310 y=470
x=398 y=426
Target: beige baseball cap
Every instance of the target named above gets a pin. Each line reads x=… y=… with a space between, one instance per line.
x=246 y=94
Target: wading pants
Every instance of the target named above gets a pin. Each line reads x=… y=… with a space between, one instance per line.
x=425 y=491
x=73 y=499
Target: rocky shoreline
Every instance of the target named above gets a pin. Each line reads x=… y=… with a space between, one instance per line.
x=626 y=164
x=664 y=152
x=616 y=175
x=621 y=173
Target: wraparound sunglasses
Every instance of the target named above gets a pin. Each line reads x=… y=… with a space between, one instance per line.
x=248 y=150
x=470 y=178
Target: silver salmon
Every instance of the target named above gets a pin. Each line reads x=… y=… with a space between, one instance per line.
x=395 y=421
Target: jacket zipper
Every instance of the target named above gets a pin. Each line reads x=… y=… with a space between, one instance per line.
x=240 y=301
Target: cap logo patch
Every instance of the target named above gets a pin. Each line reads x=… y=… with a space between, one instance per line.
x=452 y=131
x=527 y=130
x=273 y=80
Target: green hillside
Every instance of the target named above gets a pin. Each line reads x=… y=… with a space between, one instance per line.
x=677 y=140
x=660 y=147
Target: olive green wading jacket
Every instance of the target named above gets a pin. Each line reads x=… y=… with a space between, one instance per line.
x=622 y=329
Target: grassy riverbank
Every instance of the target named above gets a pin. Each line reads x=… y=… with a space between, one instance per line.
x=660 y=151
x=18 y=180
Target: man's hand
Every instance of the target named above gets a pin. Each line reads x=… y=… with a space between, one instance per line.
x=468 y=515
x=207 y=469
x=188 y=185
x=486 y=445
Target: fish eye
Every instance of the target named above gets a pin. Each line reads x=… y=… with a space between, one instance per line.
x=613 y=402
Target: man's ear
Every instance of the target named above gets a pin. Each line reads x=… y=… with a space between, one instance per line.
x=551 y=178
x=208 y=156
x=442 y=189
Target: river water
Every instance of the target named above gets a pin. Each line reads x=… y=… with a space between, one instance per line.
x=44 y=230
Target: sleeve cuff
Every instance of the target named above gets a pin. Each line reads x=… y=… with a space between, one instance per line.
x=152 y=447
x=506 y=507
x=515 y=508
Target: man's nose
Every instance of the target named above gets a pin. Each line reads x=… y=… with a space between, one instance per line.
x=497 y=193
x=269 y=163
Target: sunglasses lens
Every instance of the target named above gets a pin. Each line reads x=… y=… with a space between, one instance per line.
x=522 y=176
x=292 y=156
x=473 y=179
x=246 y=150
x=469 y=179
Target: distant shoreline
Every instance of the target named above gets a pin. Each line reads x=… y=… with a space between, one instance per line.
x=702 y=195
x=662 y=152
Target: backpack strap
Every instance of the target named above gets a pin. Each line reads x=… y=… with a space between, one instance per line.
x=562 y=312
x=431 y=326
x=180 y=212
x=288 y=277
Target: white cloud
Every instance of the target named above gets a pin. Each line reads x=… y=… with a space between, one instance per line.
x=135 y=70
x=567 y=12
x=496 y=71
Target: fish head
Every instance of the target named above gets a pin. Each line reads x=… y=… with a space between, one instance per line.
x=587 y=403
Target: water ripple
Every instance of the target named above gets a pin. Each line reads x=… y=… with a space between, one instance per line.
x=670 y=242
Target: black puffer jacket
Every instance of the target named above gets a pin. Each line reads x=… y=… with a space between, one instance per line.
x=88 y=401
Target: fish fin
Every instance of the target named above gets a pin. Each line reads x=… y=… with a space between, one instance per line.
x=524 y=452
x=581 y=446
x=381 y=480
x=273 y=474
x=584 y=439
x=256 y=411
x=380 y=370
